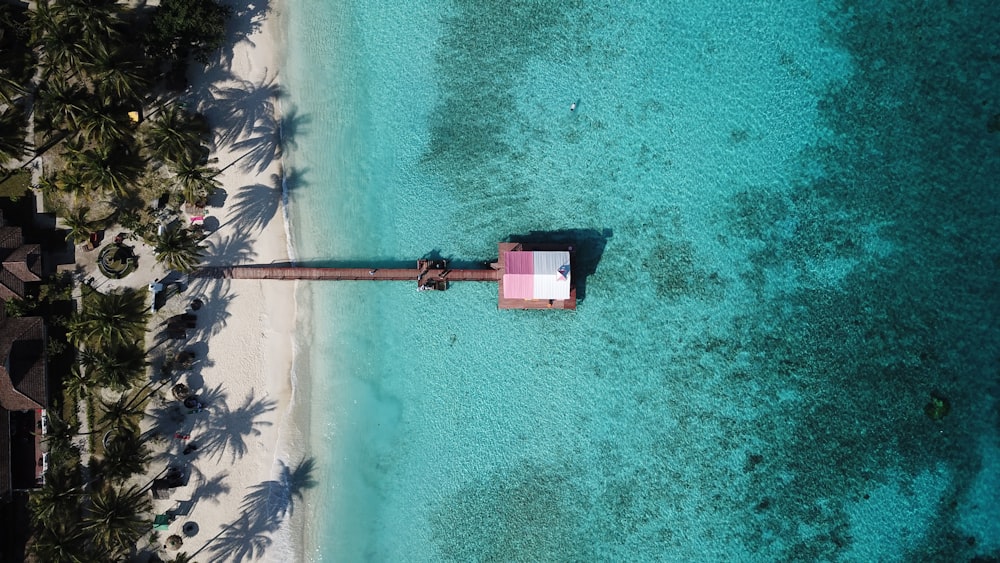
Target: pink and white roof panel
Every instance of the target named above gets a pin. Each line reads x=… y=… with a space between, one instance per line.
x=536 y=275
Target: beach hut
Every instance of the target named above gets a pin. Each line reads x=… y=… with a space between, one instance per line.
x=536 y=277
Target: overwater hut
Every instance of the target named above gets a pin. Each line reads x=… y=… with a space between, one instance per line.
x=535 y=277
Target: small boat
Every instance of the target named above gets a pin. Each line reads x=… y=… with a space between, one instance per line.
x=572 y=107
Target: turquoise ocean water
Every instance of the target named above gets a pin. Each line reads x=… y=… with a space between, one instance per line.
x=788 y=221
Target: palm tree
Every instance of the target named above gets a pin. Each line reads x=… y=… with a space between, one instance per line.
x=102 y=124
x=64 y=53
x=72 y=151
x=175 y=135
x=76 y=384
x=178 y=248
x=16 y=60
x=10 y=88
x=13 y=144
x=59 y=104
x=183 y=29
x=182 y=557
x=93 y=22
x=78 y=225
x=117 y=78
x=66 y=546
x=119 y=416
x=115 y=366
x=63 y=454
x=108 y=168
x=125 y=455
x=68 y=181
x=109 y=319
x=43 y=22
x=68 y=32
x=197 y=179
x=116 y=518
x=56 y=504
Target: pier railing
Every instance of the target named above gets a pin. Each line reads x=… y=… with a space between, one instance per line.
x=428 y=273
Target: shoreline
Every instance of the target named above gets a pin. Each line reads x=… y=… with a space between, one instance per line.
x=247 y=370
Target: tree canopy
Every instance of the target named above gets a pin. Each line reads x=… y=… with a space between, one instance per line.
x=183 y=29
x=178 y=248
x=86 y=80
x=115 y=318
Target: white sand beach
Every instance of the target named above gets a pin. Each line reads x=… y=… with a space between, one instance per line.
x=235 y=504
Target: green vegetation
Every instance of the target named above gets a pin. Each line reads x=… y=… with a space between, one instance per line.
x=115 y=519
x=115 y=318
x=183 y=29
x=16 y=184
x=53 y=292
x=195 y=178
x=118 y=367
x=99 y=519
x=83 y=74
x=94 y=87
x=78 y=224
x=176 y=136
x=13 y=144
x=178 y=248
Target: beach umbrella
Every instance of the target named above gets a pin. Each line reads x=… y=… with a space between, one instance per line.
x=174 y=542
x=181 y=391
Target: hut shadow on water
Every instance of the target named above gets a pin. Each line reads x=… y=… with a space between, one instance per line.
x=588 y=248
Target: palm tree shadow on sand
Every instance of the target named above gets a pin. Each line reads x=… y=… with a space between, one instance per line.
x=167 y=418
x=243 y=539
x=244 y=20
x=216 y=298
x=264 y=509
x=237 y=108
x=267 y=139
x=227 y=430
x=228 y=250
x=256 y=205
x=273 y=500
x=209 y=489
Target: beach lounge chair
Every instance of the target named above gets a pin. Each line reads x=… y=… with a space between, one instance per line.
x=161 y=523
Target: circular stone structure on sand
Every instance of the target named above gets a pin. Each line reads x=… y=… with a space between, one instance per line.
x=116 y=261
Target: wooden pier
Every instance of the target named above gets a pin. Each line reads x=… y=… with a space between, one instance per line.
x=429 y=275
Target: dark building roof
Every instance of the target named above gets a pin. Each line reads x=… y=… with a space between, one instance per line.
x=23 y=380
x=19 y=263
x=5 y=482
x=22 y=375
